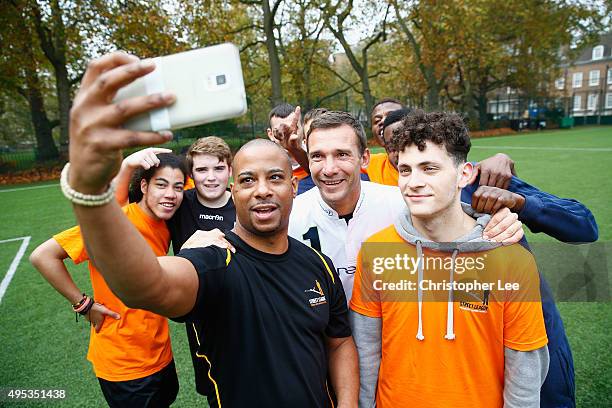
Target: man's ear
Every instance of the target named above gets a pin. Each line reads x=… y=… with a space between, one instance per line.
x=270 y=134
x=465 y=174
x=144 y=186
x=365 y=158
x=294 y=185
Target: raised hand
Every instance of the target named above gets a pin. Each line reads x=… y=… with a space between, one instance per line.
x=288 y=135
x=201 y=239
x=145 y=158
x=96 y=135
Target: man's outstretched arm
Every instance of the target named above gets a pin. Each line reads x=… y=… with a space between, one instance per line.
x=167 y=286
x=565 y=219
x=494 y=184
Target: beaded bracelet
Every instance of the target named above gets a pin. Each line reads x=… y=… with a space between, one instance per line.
x=88 y=200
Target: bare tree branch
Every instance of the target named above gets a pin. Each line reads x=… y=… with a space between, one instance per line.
x=247 y=27
x=251 y=44
x=277 y=3
x=346 y=88
x=381 y=34
x=44 y=35
x=340 y=77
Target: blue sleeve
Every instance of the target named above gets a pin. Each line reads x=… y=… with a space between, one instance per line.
x=565 y=219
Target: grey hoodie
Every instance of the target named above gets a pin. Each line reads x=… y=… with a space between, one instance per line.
x=471 y=242
x=524 y=371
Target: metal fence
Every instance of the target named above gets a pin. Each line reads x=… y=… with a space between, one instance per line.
x=17 y=160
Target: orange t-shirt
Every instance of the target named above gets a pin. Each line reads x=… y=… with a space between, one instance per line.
x=138 y=344
x=300 y=173
x=435 y=372
x=381 y=171
x=189 y=184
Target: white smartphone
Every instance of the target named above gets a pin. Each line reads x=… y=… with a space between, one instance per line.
x=207 y=82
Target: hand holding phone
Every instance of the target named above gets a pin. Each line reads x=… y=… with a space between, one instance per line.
x=207 y=83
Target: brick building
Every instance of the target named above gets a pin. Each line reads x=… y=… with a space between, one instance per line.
x=587 y=83
x=583 y=90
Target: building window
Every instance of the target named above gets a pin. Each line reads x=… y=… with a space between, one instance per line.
x=592 y=102
x=594 y=78
x=577 y=80
x=598 y=52
x=609 y=101
x=560 y=83
x=610 y=76
x=577 y=102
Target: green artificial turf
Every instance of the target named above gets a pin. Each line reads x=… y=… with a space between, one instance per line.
x=43 y=348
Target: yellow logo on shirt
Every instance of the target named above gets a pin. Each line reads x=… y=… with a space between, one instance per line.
x=318 y=290
x=482 y=306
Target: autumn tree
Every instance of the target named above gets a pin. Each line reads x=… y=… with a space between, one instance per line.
x=522 y=53
x=337 y=20
x=20 y=76
x=58 y=29
x=146 y=29
x=264 y=14
x=429 y=34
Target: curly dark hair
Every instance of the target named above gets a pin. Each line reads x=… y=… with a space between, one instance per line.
x=442 y=128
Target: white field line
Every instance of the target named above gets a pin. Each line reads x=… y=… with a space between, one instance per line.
x=13 y=267
x=8 y=190
x=561 y=149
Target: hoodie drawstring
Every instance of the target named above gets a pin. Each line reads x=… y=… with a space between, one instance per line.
x=450 y=324
x=420 y=262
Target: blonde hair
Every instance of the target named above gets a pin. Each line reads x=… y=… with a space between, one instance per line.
x=213 y=145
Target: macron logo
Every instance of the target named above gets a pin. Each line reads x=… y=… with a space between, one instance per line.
x=215 y=217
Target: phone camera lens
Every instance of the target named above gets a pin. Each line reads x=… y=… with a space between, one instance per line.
x=221 y=80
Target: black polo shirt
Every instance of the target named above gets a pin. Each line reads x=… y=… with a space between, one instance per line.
x=192 y=216
x=265 y=319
